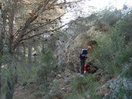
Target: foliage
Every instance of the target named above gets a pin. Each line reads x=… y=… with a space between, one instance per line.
x=128 y=75
x=2 y=58
x=128 y=72
x=82 y=88
x=46 y=70
x=109 y=16
x=3 y=80
x=113 y=48
x=124 y=27
x=23 y=72
x=39 y=71
x=7 y=74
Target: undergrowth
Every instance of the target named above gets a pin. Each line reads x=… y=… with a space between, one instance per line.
x=114 y=48
x=84 y=87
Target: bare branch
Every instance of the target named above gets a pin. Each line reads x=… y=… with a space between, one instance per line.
x=66 y=3
x=21 y=32
x=50 y=22
x=42 y=33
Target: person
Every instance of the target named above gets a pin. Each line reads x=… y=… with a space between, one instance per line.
x=83 y=57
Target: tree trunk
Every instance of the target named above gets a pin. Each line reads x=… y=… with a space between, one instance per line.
x=24 y=50
x=35 y=54
x=18 y=55
x=30 y=54
x=0 y=79
x=2 y=37
x=12 y=76
x=1 y=54
x=43 y=50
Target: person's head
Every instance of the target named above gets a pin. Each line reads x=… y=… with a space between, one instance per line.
x=89 y=47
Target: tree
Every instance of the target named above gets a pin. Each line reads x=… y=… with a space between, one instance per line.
x=17 y=32
x=2 y=37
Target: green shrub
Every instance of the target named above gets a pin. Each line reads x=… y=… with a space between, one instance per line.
x=46 y=69
x=82 y=88
x=124 y=27
x=109 y=17
x=113 y=49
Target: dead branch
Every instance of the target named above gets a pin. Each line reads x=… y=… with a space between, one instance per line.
x=38 y=35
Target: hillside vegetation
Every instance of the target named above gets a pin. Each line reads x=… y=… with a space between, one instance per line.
x=45 y=63
x=112 y=54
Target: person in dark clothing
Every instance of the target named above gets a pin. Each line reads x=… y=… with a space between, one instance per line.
x=83 y=57
x=82 y=61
